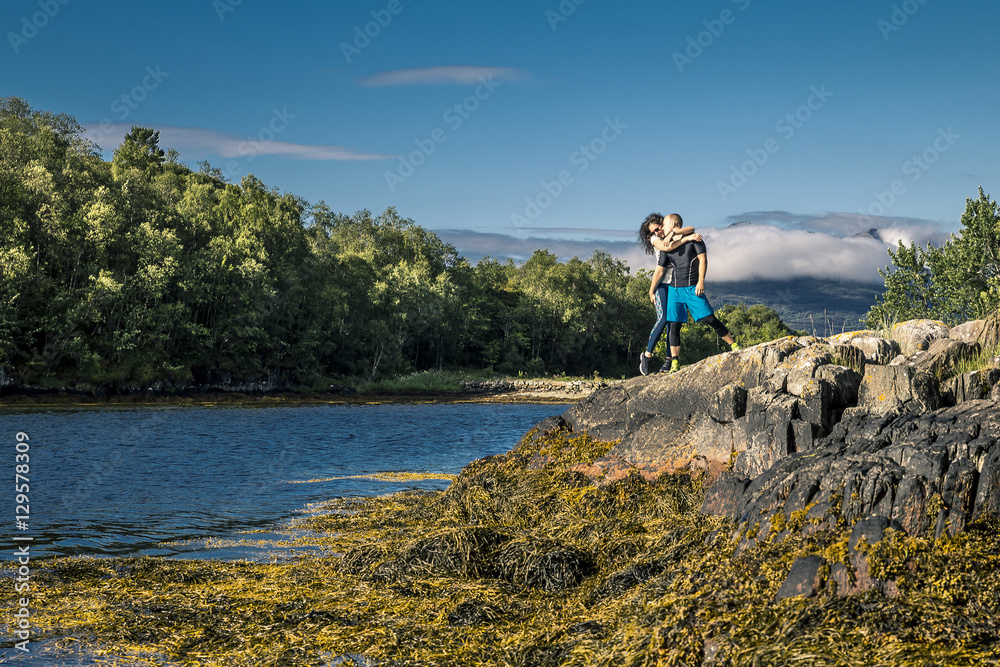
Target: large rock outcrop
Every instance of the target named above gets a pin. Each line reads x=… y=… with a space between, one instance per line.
x=856 y=431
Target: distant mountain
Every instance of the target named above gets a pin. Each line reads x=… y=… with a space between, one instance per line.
x=868 y=234
x=818 y=307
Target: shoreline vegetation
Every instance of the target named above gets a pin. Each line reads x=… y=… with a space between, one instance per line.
x=523 y=562
x=425 y=387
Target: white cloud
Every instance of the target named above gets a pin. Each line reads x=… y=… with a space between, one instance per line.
x=449 y=74
x=796 y=246
x=843 y=225
x=769 y=252
x=200 y=142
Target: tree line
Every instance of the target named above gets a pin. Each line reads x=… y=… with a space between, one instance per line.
x=143 y=271
x=955 y=282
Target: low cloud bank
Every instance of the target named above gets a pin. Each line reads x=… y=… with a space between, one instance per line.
x=760 y=245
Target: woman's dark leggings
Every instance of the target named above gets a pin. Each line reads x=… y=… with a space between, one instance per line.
x=661 y=317
x=674 y=330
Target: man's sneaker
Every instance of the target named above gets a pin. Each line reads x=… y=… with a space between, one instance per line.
x=675 y=365
x=644 y=363
x=665 y=368
x=734 y=347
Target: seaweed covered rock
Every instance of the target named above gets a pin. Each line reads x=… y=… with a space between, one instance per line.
x=804 y=435
x=746 y=411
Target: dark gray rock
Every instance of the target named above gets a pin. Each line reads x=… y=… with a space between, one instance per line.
x=888 y=466
x=602 y=413
x=969 y=386
x=844 y=383
x=988 y=492
x=887 y=388
x=729 y=403
x=957 y=492
x=804 y=579
x=723 y=497
x=910 y=507
x=764 y=434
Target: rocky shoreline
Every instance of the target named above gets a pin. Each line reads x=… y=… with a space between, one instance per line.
x=858 y=432
x=500 y=390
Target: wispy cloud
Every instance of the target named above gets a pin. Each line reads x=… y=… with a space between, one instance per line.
x=200 y=142
x=447 y=74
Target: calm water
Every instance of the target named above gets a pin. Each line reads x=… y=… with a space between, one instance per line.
x=125 y=481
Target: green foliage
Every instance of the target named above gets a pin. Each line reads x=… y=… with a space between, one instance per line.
x=980 y=361
x=422 y=382
x=954 y=283
x=141 y=272
x=140 y=150
x=751 y=325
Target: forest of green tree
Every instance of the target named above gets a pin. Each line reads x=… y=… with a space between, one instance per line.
x=955 y=282
x=141 y=271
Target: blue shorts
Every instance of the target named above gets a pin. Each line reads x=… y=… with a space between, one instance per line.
x=681 y=300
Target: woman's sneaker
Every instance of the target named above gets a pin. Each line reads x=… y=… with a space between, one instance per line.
x=644 y=363
x=665 y=368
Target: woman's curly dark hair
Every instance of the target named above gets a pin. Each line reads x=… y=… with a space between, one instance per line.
x=645 y=234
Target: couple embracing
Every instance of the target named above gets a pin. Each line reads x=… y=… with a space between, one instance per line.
x=677 y=286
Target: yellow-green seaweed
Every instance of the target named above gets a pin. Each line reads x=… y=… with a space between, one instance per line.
x=520 y=562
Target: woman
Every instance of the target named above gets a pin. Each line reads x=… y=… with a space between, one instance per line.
x=658 y=237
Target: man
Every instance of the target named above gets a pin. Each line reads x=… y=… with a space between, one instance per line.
x=656 y=237
x=690 y=263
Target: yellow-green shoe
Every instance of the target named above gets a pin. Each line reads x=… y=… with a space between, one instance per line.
x=675 y=366
x=734 y=347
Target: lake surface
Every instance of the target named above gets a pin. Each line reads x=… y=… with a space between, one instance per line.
x=164 y=481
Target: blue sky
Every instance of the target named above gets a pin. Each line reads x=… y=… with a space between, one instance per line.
x=511 y=126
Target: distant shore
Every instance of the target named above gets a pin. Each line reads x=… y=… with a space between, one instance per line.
x=486 y=391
